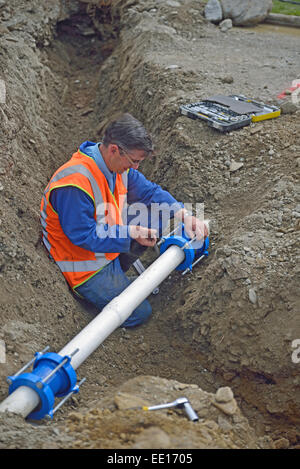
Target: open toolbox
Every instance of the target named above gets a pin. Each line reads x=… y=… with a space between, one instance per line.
x=226 y=113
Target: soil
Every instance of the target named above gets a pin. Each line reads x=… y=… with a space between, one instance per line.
x=69 y=67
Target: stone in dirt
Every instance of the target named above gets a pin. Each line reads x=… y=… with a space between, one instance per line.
x=289 y=107
x=246 y=12
x=224 y=394
x=229 y=408
x=235 y=166
x=213 y=11
x=173 y=3
x=252 y=296
x=225 y=25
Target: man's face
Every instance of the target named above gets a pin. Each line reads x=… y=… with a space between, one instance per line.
x=120 y=160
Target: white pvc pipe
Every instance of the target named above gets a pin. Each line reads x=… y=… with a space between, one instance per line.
x=24 y=400
x=121 y=307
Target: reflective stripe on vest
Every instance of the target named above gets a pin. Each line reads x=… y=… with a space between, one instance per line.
x=82 y=266
x=81 y=170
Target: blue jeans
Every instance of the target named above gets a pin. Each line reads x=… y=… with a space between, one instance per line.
x=106 y=285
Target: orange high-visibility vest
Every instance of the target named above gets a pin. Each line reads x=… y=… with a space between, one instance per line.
x=78 y=264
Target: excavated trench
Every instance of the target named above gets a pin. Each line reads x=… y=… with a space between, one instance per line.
x=204 y=329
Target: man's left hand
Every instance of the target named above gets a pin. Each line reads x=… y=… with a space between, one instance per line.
x=193 y=226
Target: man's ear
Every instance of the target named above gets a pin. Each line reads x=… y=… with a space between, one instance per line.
x=113 y=147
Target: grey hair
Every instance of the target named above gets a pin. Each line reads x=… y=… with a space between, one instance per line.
x=129 y=134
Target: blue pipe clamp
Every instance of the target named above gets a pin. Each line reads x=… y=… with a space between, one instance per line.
x=52 y=376
x=189 y=247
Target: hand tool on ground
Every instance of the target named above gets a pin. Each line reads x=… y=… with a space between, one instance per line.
x=180 y=403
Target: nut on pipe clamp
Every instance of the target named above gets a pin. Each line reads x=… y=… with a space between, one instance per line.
x=52 y=376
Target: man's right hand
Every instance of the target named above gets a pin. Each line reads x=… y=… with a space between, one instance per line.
x=144 y=236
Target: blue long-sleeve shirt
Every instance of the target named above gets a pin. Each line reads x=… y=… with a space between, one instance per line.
x=76 y=209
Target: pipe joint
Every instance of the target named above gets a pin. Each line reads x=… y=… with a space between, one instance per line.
x=191 y=249
x=52 y=376
x=183 y=243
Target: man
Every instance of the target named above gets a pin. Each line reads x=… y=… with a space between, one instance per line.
x=87 y=227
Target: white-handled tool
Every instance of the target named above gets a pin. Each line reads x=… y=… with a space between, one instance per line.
x=181 y=403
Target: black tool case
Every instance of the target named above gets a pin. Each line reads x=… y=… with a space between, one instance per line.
x=226 y=113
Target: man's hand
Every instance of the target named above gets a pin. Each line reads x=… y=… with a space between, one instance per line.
x=195 y=227
x=144 y=236
x=192 y=225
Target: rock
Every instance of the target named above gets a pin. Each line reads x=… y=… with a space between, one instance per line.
x=87 y=111
x=252 y=296
x=213 y=11
x=171 y=67
x=236 y=180
x=173 y=3
x=235 y=166
x=227 y=79
x=254 y=130
x=225 y=25
x=229 y=408
x=246 y=12
x=101 y=379
x=12 y=39
x=289 y=107
x=282 y=443
x=224 y=394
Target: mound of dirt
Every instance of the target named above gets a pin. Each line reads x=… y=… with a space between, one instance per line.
x=70 y=67
x=120 y=422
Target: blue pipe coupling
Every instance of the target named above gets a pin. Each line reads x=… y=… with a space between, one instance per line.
x=192 y=249
x=52 y=376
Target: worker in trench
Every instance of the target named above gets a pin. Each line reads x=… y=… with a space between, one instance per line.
x=97 y=214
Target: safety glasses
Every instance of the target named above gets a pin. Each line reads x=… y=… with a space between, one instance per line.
x=131 y=161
